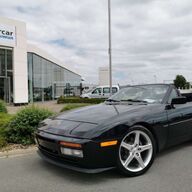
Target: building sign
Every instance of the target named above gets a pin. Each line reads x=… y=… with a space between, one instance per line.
x=7 y=35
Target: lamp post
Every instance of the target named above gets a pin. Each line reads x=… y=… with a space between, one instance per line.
x=110 y=57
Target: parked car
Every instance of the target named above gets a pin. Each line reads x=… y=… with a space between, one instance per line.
x=125 y=132
x=100 y=92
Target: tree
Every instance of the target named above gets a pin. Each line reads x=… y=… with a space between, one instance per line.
x=180 y=82
x=188 y=85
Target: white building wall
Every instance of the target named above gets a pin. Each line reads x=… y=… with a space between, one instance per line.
x=20 y=74
x=104 y=76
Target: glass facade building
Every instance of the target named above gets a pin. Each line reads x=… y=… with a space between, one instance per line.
x=47 y=80
x=28 y=73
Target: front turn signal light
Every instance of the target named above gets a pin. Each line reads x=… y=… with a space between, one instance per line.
x=73 y=145
x=108 y=143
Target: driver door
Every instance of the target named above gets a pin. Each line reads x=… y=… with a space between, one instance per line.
x=179 y=121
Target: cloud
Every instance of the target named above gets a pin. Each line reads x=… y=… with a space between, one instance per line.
x=149 y=37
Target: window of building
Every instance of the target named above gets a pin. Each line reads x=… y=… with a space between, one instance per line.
x=48 y=80
x=9 y=60
x=2 y=62
x=6 y=75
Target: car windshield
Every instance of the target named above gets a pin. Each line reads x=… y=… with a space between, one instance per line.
x=141 y=93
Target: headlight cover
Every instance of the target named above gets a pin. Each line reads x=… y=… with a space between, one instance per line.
x=72 y=152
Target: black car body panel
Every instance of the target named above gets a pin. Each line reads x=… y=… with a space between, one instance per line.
x=92 y=125
x=92 y=114
x=57 y=161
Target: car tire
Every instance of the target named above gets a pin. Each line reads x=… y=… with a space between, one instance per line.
x=136 y=151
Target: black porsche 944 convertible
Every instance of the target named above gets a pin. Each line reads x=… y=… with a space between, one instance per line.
x=124 y=132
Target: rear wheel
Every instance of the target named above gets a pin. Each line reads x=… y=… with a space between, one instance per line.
x=136 y=151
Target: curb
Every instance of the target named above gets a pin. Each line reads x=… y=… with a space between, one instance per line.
x=17 y=152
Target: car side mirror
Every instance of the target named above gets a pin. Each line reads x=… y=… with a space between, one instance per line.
x=179 y=100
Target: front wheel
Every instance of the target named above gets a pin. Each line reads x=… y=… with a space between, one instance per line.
x=136 y=151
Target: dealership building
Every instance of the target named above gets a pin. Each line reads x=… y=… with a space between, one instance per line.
x=27 y=73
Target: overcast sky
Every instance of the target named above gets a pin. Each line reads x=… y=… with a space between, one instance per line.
x=151 y=39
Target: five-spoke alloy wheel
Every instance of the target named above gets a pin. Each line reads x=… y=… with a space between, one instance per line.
x=136 y=151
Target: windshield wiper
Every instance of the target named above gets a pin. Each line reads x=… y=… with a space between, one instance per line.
x=112 y=100
x=134 y=100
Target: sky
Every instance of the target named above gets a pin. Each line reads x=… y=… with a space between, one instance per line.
x=151 y=39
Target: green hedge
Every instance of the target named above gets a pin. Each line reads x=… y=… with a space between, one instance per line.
x=63 y=99
x=3 y=108
x=24 y=123
x=4 y=123
x=74 y=106
x=3 y=141
x=4 y=120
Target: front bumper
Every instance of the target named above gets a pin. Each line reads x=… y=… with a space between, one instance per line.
x=95 y=158
x=65 y=165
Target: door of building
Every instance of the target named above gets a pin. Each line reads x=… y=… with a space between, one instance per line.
x=6 y=75
x=5 y=89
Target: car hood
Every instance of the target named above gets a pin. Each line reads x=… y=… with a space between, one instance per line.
x=98 y=113
x=77 y=123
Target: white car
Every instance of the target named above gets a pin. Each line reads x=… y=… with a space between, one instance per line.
x=100 y=92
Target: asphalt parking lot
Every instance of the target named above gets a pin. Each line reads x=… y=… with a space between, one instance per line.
x=171 y=172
